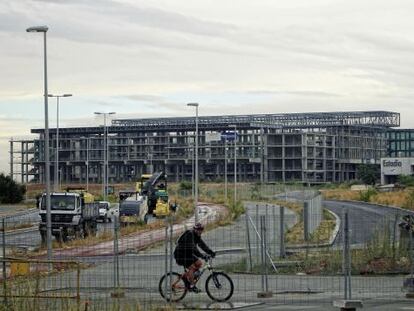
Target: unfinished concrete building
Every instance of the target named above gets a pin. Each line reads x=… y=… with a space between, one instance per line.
x=294 y=147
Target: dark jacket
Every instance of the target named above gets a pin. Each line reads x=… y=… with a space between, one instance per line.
x=187 y=246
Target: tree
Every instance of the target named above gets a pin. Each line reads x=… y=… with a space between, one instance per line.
x=368 y=173
x=10 y=191
x=406 y=180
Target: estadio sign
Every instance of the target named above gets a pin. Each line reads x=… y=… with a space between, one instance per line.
x=391 y=163
x=396 y=166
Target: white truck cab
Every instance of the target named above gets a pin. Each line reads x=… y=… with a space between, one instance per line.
x=104 y=207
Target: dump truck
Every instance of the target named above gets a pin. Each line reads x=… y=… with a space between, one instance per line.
x=73 y=214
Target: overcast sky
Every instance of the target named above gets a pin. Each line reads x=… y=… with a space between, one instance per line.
x=149 y=58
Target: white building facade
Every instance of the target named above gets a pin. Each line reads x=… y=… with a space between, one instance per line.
x=391 y=168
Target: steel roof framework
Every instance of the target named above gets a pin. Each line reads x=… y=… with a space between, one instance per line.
x=287 y=120
x=378 y=119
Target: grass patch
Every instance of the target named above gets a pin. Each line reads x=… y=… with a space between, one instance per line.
x=401 y=198
x=90 y=240
x=66 y=304
x=340 y=194
x=382 y=255
x=322 y=234
x=324 y=231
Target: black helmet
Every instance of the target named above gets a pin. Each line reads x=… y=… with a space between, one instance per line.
x=198 y=226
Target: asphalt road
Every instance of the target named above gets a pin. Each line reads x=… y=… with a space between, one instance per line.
x=365 y=220
x=30 y=237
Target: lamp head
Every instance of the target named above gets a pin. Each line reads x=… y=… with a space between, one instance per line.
x=192 y=104
x=37 y=29
x=64 y=95
x=105 y=113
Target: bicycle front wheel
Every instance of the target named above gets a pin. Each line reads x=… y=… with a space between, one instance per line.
x=172 y=287
x=219 y=286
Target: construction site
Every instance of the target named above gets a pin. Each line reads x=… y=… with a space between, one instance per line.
x=309 y=148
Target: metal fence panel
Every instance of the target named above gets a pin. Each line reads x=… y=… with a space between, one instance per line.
x=125 y=266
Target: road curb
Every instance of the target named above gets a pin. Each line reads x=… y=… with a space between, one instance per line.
x=336 y=229
x=402 y=210
x=24 y=230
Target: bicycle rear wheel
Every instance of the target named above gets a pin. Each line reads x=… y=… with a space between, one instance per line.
x=172 y=287
x=219 y=286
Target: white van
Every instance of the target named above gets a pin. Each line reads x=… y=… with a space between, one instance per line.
x=104 y=207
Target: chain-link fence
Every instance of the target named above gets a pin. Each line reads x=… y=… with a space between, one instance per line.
x=354 y=251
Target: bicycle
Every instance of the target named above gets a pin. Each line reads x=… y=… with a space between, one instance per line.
x=219 y=286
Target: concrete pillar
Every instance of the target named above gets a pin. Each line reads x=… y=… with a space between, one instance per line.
x=304 y=156
x=265 y=162
x=324 y=158
x=22 y=162
x=11 y=158
x=283 y=158
x=27 y=163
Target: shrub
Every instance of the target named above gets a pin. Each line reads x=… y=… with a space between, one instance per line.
x=409 y=201
x=406 y=180
x=368 y=173
x=366 y=195
x=185 y=185
x=255 y=192
x=236 y=209
x=10 y=191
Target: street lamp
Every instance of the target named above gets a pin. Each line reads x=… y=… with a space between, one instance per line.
x=87 y=163
x=196 y=163
x=87 y=160
x=57 y=138
x=105 y=171
x=225 y=168
x=235 y=162
x=44 y=29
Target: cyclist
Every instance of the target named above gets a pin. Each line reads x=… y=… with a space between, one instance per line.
x=187 y=254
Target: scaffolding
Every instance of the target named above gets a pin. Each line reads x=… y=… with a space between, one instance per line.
x=300 y=147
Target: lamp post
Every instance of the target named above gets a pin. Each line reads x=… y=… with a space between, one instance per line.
x=192 y=169
x=196 y=162
x=57 y=138
x=87 y=163
x=44 y=29
x=225 y=168
x=105 y=170
x=235 y=162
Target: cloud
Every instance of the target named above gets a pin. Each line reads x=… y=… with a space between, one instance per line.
x=144 y=98
x=145 y=58
x=295 y=93
x=129 y=24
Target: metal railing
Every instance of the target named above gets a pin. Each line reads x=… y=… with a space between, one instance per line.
x=264 y=250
